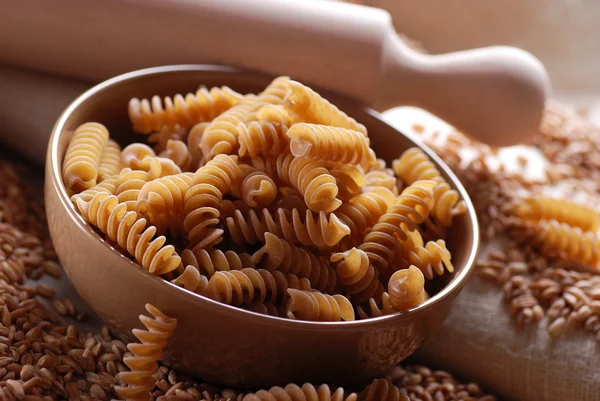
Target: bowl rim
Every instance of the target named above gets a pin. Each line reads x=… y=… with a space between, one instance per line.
x=455 y=285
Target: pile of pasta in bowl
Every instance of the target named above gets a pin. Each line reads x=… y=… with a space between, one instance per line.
x=273 y=202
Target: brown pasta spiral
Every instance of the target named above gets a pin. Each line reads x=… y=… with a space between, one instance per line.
x=560 y=240
x=146 y=354
x=151 y=115
x=432 y=258
x=315 y=306
x=194 y=139
x=164 y=196
x=202 y=200
x=109 y=186
x=349 y=179
x=129 y=230
x=221 y=136
x=210 y=262
x=314 y=230
x=262 y=139
x=410 y=209
x=406 y=290
x=257 y=189
x=243 y=287
x=334 y=144
x=357 y=274
x=160 y=138
x=136 y=155
x=307 y=392
x=276 y=114
x=273 y=95
x=362 y=211
x=278 y=254
x=382 y=178
x=110 y=162
x=540 y=208
x=312 y=180
x=382 y=390
x=191 y=279
x=264 y=309
x=313 y=108
x=414 y=165
x=82 y=158
x=178 y=151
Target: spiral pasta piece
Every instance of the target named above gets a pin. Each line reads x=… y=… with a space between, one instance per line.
x=210 y=262
x=221 y=136
x=204 y=105
x=273 y=95
x=110 y=162
x=414 y=165
x=257 y=188
x=293 y=392
x=164 y=195
x=203 y=198
x=129 y=230
x=243 y=287
x=314 y=230
x=194 y=139
x=362 y=211
x=262 y=139
x=315 y=306
x=405 y=290
x=275 y=114
x=136 y=156
x=312 y=180
x=357 y=274
x=143 y=364
x=382 y=178
x=432 y=258
x=160 y=138
x=191 y=280
x=108 y=186
x=382 y=390
x=540 y=208
x=313 y=108
x=349 y=179
x=388 y=235
x=82 y=158
x=334 y=144
x=568 y=243
x=278 y=254
x=178 y=151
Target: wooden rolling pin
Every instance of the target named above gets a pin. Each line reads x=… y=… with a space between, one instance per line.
x=495 y=94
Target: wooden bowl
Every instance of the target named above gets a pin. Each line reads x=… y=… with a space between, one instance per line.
x=217 y=342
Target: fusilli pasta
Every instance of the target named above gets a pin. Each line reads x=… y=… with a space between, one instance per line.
x=432 y=258
x=307 y=392
x=540 y=208
x=278 y=254
x=262 y=139
x=357 y=274
x=311 y=107
x=382 y=390
x=110 y=162
x=313 y=305
x=151 y=115
x=82 y=158
x=178 y=151
x=146 y=354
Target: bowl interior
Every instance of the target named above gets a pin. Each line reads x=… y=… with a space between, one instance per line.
x=107 y=104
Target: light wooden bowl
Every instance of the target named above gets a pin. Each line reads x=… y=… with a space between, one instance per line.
x=220 y=343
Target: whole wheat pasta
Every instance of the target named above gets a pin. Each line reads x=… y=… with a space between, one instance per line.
x=362 y=211
x=414 y=165
x=273 y=95
x=146 y=354
x=134 y=156
x=191 y=279
x=263 y=308
x=110 y=162
x=334 y=144
x=357 y=274
x=130 y=231
x=194 y=139
x=313 y=305
x=221 y=136
x=243 y=287
x=262 y=139
x=433 y=258
x=257 y=189
x=275 y=114
x=538 y=208
x=278 y=254
x=410 y=209
x=204 y=105
x=160 y=138
x=382 y=390
x=202 y=200
x=307 y=392
x=82 y=158
x=318 y=230
x=178 y=151
x=210 y=262
x=309 y=106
